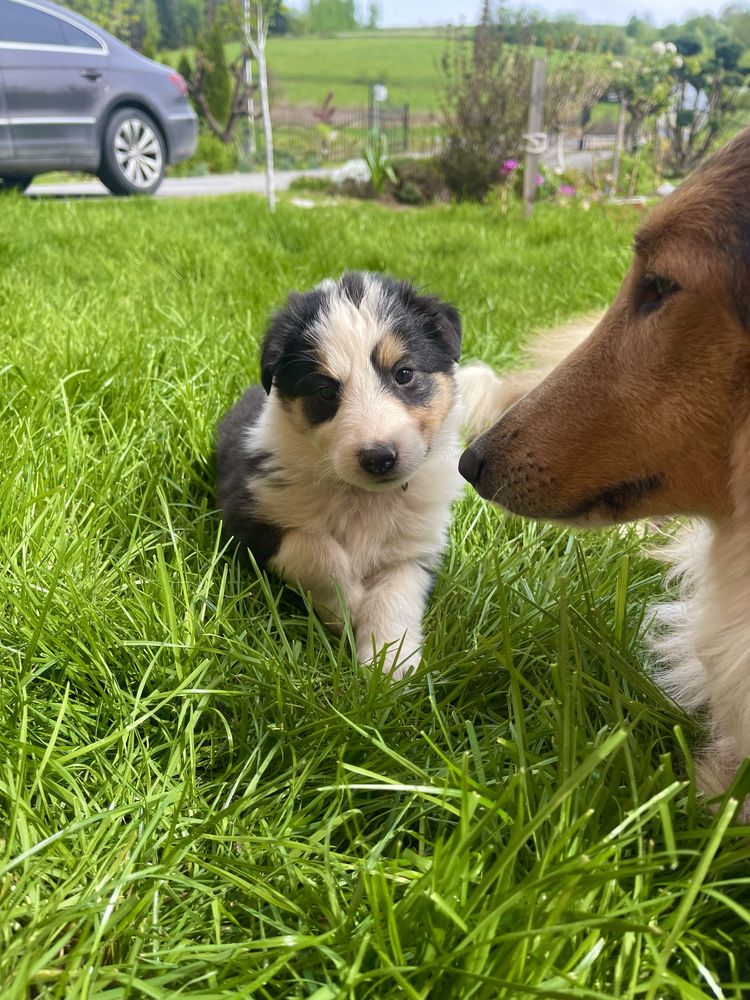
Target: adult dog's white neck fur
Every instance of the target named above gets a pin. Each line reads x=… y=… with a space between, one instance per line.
x=703 y=640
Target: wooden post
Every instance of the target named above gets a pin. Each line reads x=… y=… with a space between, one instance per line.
x=536 y=122
x=619 y=143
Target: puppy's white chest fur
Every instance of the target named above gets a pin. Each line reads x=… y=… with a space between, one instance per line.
x=376 y=529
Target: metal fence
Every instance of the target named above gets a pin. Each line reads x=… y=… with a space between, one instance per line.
x=305 y=136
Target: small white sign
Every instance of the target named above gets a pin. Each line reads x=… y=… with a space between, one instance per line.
x=380 y=93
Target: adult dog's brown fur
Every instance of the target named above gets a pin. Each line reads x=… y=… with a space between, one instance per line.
x=651 y=416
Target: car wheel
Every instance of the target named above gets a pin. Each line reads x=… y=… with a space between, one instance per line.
x=133 y=153
x=14 y=183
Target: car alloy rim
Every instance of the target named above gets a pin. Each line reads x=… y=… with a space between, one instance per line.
x=138 y=152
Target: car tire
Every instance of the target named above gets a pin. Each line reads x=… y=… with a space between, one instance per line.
x=14 y=184
x=133 y=153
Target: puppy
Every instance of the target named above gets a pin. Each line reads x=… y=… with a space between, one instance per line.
x=339 y=473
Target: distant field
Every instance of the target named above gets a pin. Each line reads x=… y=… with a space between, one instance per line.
x=304 y=70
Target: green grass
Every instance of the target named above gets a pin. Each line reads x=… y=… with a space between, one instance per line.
x=304 y=70
x=200 y=793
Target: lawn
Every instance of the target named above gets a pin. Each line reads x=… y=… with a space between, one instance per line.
x=200 y=793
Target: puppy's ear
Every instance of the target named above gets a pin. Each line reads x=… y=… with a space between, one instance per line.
x=444 y=319
x=298 y=315
x=273 y=349
x=449 y=327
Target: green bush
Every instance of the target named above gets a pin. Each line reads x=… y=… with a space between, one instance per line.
x=218 y=85
x=185 y=68
x=211 y=156
x=469 y=173
x=418 y=182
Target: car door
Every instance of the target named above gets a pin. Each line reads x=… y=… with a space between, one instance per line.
x=55 y=79
x=6 y=146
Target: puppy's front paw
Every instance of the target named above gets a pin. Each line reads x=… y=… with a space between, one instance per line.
x=398 y=658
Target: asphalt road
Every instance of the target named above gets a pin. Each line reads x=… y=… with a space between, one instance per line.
x=213 y=185
x=179 y=187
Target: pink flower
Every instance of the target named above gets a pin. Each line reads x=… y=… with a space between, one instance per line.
x=509 y=166
x=539 y=180
x=568 y=190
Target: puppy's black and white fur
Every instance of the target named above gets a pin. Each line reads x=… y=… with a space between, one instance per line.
x=338 y=473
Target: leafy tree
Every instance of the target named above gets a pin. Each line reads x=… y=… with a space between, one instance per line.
x=706 y=89
x=485 y=107
x=330 y=16
x=688 y=45
x=728 y=53
x=115 y=16
x=191 y=21
x=185 y=69
x=573 y=84
x=169 y=23
x=217 y=84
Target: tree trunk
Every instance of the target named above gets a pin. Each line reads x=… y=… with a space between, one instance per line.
x=263 y=77
x=250 y=144
x=257 y=46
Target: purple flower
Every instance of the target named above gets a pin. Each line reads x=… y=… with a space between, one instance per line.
x=539 y=180
x=509 y=166
x=568 y=190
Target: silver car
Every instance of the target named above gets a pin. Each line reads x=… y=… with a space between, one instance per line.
x=73 y=97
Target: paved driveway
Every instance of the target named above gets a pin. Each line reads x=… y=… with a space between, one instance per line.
x=179 y=187
x=255 y=183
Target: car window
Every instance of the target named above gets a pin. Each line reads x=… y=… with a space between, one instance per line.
x=19 y=23
x=30 y=26
x=81 y=40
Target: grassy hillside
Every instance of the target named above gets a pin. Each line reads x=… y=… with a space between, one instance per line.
x=305 y=69
x=201 y=794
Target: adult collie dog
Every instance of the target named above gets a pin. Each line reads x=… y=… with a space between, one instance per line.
x=651 y=416
x=339 y=472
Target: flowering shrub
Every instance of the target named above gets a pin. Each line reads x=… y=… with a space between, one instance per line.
x=353 y=170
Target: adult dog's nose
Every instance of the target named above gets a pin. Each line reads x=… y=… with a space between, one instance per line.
x=470 y=465
x=378 y=460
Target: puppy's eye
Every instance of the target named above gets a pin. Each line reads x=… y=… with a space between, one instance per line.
x=327 y=392
x=404 y=375
x=652 y=291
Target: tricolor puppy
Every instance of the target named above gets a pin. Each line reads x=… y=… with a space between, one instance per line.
x=339 y=473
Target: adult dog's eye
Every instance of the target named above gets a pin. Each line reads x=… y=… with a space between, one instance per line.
x=404 y=375
x=652 y=290
x=327 y=392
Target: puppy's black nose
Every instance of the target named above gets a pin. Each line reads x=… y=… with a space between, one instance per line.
x=379 y=459
x=470 y=465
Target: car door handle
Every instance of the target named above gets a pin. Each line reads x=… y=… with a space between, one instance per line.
x=91 y=74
